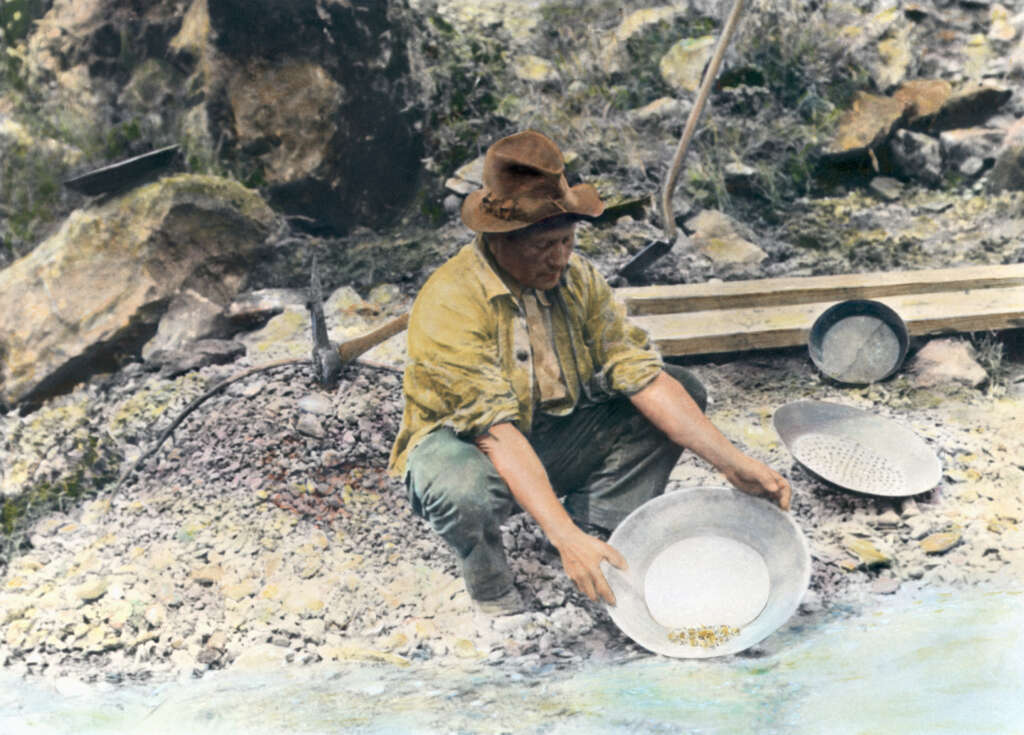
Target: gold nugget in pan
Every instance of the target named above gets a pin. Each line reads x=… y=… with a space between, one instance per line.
x=703 y=636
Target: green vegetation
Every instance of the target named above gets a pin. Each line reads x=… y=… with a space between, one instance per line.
x=991 y=355
x=464 y=74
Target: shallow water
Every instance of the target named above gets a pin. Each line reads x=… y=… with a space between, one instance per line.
x=944 y=663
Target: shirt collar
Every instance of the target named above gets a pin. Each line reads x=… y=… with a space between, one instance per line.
x=494 y=285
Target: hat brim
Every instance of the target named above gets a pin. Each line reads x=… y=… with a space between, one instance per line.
x=706 y=511
x=582 y=200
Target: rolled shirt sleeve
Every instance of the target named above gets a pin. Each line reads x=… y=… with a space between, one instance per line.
x=624 y=360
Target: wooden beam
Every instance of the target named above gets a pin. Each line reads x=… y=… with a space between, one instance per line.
x=815 y=289
x=788 y=325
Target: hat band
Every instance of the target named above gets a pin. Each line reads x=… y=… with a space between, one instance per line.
x=523 y=209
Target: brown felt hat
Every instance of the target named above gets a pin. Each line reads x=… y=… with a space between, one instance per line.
x=524 y=183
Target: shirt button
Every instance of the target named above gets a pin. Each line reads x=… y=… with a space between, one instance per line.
x=522 y=355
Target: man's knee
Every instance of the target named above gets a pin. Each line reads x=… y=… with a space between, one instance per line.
x=451 y=481
x=691 y=383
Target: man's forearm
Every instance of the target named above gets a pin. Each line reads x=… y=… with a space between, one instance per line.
x=522 y=471
x=667 y=405
x=527 y=480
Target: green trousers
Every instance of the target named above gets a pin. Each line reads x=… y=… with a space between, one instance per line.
x=604 y=460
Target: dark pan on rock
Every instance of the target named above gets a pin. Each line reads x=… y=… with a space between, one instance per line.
x=123 y=174
x=858 y=342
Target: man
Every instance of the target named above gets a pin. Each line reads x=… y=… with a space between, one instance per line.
x=526 y=384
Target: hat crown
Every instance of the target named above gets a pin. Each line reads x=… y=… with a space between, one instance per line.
x=524 y=164
x=524 y=183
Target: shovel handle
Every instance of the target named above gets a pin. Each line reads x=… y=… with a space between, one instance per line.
x=350 y=349
x=668 y=221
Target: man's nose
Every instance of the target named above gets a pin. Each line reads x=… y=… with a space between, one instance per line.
x=559 y=254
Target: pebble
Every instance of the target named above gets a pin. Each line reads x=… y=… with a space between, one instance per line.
x=316 y=403
x=309 y=425
x=939 y=543
x=92 y=589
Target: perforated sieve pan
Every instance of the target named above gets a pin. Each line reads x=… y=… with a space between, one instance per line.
x=857 y=450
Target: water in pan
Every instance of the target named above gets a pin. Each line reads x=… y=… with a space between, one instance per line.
x=848 y=463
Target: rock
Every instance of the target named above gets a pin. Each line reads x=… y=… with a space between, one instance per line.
x=155 y=615
x=1008 y=172
x=310 y=425
x=923 y=98
x=467 y=178
x=917 y=156
x=631 y=26
x=887 y=188
x=304 y=94
x=968 y=151
x=190 y=316
x=100 y=282
x=940 y=543
x=885 y=585
x=304 y=599
x=253 y=309
x=969 y=107
x=316 y=403
x=866 y=125
x=909 y=508
x=208 y=574
x=888 y=520
x=717 y=236
x=682 y=67
x=531 y=68
x=661 y=109
x=741 y=178
x=241 y=590
x=92 y=589
x=199 y=354
x=1001 y=26
x=944 y=361
x=895 y=55
x=866 y=552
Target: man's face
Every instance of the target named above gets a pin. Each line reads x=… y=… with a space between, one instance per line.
x=535 y=260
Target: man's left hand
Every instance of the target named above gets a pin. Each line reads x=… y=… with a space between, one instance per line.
x=757 y=478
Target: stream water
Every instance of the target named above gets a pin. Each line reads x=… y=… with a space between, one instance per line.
x=940 y=663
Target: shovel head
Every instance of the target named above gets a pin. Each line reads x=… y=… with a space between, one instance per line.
x=642 y=260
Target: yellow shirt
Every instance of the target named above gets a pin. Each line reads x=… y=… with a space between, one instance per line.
x=470 y=364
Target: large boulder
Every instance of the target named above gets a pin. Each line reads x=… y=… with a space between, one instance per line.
x=304 y=99
x=310 y=99
x=96 y=289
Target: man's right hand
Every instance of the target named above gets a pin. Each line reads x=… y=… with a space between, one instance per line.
x=582 y=555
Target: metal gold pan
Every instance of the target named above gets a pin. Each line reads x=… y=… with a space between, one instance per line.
x=857 y=450
x=775 y=545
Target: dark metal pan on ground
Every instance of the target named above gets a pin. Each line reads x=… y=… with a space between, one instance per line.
x=857 y=450
x=858 y=342
x=123 y=174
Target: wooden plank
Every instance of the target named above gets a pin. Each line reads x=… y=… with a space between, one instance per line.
x=814 y=289
x=766 y=327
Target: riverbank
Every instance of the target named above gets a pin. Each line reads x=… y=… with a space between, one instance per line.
x=266 y=534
